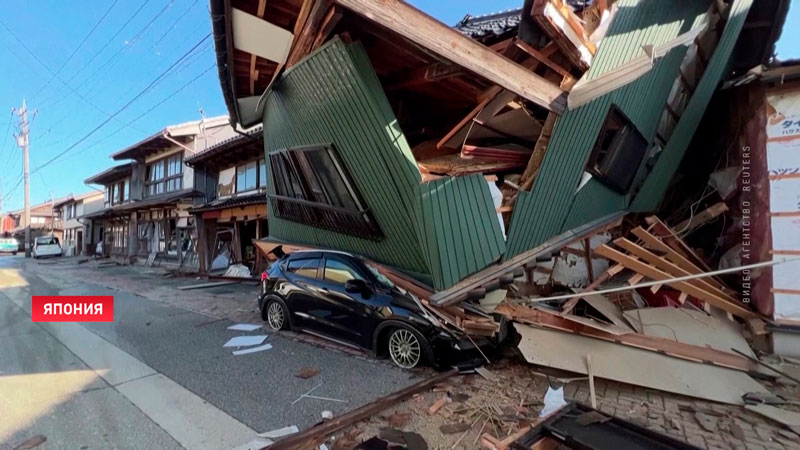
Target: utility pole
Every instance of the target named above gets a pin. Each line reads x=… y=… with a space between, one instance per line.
x=22 y=141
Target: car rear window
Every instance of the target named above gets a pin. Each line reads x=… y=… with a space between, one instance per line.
x=46 y=241
x=306 y=267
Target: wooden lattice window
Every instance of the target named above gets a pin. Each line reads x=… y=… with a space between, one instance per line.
x=313 y=187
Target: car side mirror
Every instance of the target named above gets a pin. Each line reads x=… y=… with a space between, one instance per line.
x=356 y=286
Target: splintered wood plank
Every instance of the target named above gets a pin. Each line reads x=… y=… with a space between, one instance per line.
x=673 y=256
x=330 y=21
x=698 y=220
x=539 y=56
x=635 y=279
x=662 y=264
x=329 y=427
x=666 y=234
x=657 y=275
x=306 y=30
x=429 y=33
x=610 y=272
x=539 y=150
x=455 y=165
x=489 y=95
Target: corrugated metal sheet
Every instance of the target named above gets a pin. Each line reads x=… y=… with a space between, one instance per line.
x=444 y=230
x=331 y=98
x=657 y=182
x=458 y=226
x=552 y=205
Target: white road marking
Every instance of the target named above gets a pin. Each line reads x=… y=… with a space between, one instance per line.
x=190 y=420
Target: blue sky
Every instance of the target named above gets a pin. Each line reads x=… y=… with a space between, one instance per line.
x=112 y=66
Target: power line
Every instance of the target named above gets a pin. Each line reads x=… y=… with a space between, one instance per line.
x=176 y=22
x=125 y=106
x=128 y=44
x=109 y=41
x=186 y=63
x=170 y=96
x=43 y=64
x=108 y=63
x=98 y=87
x=69 y=58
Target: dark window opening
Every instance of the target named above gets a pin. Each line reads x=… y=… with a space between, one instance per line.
x=313 y=187
x=617 y=153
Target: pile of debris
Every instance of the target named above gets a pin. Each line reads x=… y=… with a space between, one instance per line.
x=655 y=316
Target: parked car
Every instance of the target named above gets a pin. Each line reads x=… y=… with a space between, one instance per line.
x=344 y=298
x=46 y=246
x=9 y=245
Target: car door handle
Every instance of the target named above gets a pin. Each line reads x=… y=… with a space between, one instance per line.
x=324 y=291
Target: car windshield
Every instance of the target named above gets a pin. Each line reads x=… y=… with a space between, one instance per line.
x=385 y=282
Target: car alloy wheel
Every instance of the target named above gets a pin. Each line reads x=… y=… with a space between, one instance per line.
x=275 y=316
x=404 y=348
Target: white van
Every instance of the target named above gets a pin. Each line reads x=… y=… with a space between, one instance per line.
x=46 y=246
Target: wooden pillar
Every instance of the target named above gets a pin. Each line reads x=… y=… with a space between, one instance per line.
x=202 y=243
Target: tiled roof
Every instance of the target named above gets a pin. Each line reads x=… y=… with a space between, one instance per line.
x=222 y=147
x=495 y=24
x=499 y=23
x=242 y=200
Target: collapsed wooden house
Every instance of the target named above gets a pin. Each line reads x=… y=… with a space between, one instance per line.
x=445 y=152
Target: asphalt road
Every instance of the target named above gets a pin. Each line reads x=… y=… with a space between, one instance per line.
x=258 y=390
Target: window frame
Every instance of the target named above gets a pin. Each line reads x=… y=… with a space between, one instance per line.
x=596 y=156
x=318 y=258
x=163 y=164
x=294 y=199
x=260 y=177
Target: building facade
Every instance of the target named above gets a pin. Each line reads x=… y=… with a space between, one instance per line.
x=75 y=230
x=232 y=178
x=146 y=214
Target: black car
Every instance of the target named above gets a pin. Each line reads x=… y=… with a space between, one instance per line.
x=342 y=297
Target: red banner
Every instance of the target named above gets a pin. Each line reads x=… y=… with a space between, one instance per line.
x=72 y=308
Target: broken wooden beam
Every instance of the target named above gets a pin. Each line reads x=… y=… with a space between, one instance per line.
x=610 y=272
x=698 y=220
x=449 y=44
x=668 y=347
x=345 y=420
x=683 y=286
x=669 y=268
x=461 y=290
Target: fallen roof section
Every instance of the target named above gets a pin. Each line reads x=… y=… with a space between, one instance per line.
x=448 y=43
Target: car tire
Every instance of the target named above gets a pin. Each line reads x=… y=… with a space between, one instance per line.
x=13 y=253
x=406 y=347
x=276 y=315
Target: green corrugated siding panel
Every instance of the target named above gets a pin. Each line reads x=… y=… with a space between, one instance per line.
x=459 y=227
x=593 y=201
x=552 y=203
x=444 y=230
x=334 y=97
x=657 y=182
